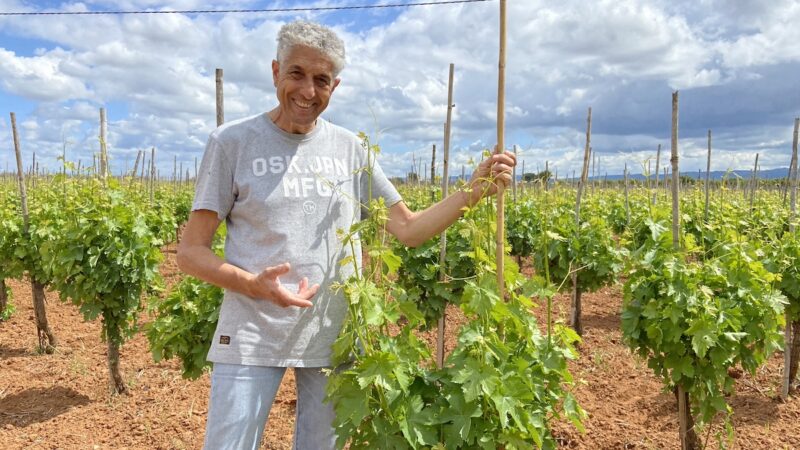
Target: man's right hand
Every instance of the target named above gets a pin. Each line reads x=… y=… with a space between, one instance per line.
x=267 y=285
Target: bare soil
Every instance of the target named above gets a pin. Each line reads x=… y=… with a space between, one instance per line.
x=61 y=401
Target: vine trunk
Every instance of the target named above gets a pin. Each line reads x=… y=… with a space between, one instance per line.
x=47 y=340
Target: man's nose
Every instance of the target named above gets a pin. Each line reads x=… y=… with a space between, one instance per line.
x=307 y=88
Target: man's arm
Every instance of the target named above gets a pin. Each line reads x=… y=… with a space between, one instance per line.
x=196 y=258
x=414 y=228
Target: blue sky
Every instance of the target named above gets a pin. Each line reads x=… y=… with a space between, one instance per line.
x=735 y=63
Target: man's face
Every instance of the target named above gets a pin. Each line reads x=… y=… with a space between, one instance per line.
x=304 y=83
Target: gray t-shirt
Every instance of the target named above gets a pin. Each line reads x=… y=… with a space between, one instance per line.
x=283 y=197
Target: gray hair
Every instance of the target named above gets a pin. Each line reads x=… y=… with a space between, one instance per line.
x=314 y=35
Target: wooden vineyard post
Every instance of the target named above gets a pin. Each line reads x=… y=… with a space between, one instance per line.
x=136 y=166
x=792 y=327
x=754 y=183
x=547 y=175
x=152 y=172
x=514 y=179
x=220 y=99
x=575 y=318
x=443 y=236
x=688 y=436
x=708 y=176
x=627 y=203
x=103 y=148
x=501 y=91
x=658 y=162
x=47 y=340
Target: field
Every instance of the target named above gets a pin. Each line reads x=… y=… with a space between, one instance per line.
x=61 y=401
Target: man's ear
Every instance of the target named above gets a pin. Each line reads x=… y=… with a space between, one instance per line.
x=276 y=69
x=335 y=83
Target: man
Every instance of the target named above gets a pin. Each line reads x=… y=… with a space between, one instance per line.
x=285 y=182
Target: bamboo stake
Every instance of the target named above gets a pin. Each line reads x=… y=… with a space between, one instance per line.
x=754 y=183
x=627 y=203
x=220 y=99
x=687 y=434
x=443 y=236
x=103 y=153
x=658 y=162
x=575 y=319
x=501 y=91
x=152 y=172
x=791 y=326
x=433 y=163
x=514 y=180
x=47 y=340
x=708 y=175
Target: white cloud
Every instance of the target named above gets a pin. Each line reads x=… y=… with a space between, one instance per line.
x=622 y=57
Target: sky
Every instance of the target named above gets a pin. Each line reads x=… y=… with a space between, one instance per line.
x=735 y=63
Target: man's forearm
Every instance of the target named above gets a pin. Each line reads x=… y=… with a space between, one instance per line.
x=201 y=262
x=423 y=225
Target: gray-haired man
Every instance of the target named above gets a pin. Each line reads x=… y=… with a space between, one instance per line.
x=284 y=182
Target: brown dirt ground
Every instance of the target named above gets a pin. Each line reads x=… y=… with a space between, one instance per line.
x=61 y=401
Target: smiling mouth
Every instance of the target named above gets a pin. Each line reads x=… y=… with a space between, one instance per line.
x=302 y=104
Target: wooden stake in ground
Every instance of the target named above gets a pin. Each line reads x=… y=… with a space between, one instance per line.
x=47 y=340
x=688 y=436
x=575 y=318
x=627 y=204
x=708 y=175
x=754 y=183
x=792 y=330
x=658 y=162
x=501 y=121
x=103 y=149
x=443 y=236
x=152 y=172
x=220 y=99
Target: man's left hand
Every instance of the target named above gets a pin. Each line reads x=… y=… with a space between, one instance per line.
x=491 y=172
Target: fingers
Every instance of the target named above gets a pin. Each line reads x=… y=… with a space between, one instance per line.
x=276 y=271
x=269 y=287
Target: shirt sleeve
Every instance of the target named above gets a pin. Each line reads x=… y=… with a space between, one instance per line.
x=381 y=188
x=214 y=189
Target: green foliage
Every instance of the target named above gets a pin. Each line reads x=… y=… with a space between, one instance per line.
x=694 y=320
x=502 y=385
x=103 y=258
x=185 y=320
x=590 y=249
x=184 y=325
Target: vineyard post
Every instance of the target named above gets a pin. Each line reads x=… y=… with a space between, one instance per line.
x=546 y=174
x=433 y=163
x=788 y=180
x=103 y=149
x=792 y=327
x=627 y=204
x=32 y=172
x=658 y=162
x=754 y=183
x=425 y=172
x=501 y=91
x=575 y=319
x=443 y=236
x=522 y=187
x=708 y=175
x=152 y=172
x=79 y=168
x=180 y=175
x=220 y=99
x=688 y=436
x=136 y=166
x=47 y=340
x=514 y=179
x=594 y=159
